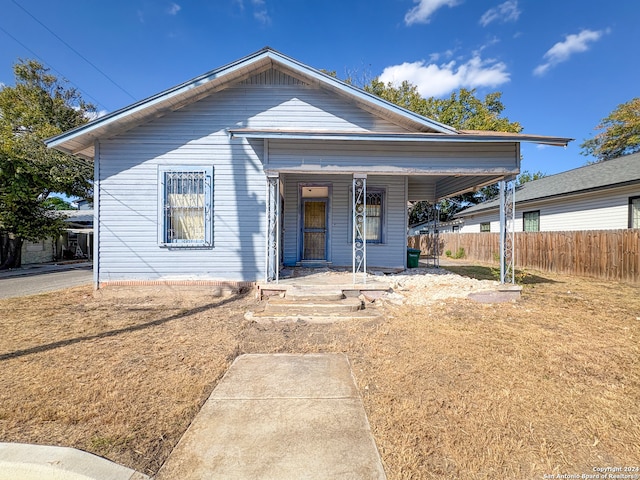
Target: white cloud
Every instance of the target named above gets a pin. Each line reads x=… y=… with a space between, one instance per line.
x=505 y=12
x=173 y=9
x=260 y=12
x=95 y=115
x=562 y=51
x=425 y=8
x=438 y=80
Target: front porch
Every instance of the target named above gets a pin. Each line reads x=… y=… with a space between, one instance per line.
x=355 y=223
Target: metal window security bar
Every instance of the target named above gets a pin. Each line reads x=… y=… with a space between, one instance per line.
x=359 y=211
x=273 y=229
x=507 y=224
x=185 y=208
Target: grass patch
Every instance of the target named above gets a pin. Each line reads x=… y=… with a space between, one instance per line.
x=548 y=385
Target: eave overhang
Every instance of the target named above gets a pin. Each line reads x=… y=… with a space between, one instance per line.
x=483 y=137
x=80 y=141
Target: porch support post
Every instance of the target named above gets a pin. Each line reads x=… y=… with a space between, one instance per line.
x=272 y=254
x=507 y=223
x=359 y=221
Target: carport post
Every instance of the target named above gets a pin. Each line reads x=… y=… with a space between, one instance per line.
x=507 y=223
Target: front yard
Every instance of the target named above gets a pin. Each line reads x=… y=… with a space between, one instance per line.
x=452 y=388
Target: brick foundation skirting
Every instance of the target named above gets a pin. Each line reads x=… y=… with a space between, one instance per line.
x=178 y=283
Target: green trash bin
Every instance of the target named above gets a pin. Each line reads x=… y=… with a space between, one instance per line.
x=413 y=257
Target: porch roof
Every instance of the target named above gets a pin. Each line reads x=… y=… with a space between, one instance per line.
x=460 y=136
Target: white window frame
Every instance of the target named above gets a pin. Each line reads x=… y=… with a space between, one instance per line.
x=163 y=236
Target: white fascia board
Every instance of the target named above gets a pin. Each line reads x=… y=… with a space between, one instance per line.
x=380 y=137
x=151 y=104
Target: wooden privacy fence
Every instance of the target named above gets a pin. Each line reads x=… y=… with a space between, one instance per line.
x=604 y=254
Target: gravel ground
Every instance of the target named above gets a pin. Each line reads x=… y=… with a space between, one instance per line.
x=421 y=286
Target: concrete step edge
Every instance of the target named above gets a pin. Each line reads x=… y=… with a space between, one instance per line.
x=261 y=317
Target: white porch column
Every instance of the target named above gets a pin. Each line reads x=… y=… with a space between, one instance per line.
x=507 y=223
x=272 y=254
x=359 y=221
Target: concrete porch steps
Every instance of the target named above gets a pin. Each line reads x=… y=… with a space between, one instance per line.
x=312 y=304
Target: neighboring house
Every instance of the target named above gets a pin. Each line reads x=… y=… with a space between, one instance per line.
x=75 y=242
x=84 y=204
x=267 y=162
x=601 y=196
x=424 y=228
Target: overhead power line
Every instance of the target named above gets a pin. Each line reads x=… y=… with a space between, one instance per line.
x=62 y=75
x=74 y=50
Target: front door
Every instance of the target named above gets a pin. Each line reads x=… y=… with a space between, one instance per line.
x=314 y=229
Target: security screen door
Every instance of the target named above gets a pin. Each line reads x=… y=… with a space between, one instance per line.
x=314 y=229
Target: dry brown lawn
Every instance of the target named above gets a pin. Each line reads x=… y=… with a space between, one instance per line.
x=452 y=389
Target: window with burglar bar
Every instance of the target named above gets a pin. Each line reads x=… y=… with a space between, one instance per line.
x=375 y=218
x=186 y=207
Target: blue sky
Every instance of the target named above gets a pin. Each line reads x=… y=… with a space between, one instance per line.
x=561 y=65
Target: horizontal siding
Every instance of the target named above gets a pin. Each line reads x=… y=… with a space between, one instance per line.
x=390 y=254
x=197 y=135
x=425 y=190
x=426 y=158
x=604 y=210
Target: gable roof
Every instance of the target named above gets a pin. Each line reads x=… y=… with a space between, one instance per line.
x=80 y=141
x=617 y=172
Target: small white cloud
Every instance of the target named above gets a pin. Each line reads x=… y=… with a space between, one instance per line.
x=505 y=12
x=173 y=9
x=260 y=12
x=562 y=51
x=434 y=80
x=95 y=115
x=422 y=12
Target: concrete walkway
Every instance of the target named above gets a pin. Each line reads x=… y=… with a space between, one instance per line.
x=282 y=417
x=41 y=462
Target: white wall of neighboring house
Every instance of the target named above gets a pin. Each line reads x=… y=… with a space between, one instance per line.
x=601 y=210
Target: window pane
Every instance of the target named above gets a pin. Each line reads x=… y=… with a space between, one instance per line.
x=485 y=227
x=635 y=212
x=184 y=207
x=531 y=221
x=374 y=211
x=374 y=217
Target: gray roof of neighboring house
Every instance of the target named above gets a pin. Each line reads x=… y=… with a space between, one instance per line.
x=598 y=176
x=77 y=216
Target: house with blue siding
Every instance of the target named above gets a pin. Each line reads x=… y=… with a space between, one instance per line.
x=264 y=163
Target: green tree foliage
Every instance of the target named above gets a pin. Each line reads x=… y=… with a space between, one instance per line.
x=39 y=106
x=620 y=133
x=462 y=110
x=527 y=176
x=57 y=203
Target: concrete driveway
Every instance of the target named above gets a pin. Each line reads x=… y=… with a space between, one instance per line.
x=44 y=278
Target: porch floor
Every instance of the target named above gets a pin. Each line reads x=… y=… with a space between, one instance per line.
x=336 y=279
